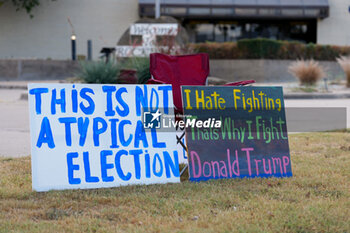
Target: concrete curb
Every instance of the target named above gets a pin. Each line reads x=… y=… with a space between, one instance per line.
x=21 y=87
x=316 y=96
x=286 y=95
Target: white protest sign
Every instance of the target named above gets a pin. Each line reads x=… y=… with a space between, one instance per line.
x=93 y=136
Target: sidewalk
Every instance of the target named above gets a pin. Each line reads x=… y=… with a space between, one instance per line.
x=22 y=85
x=14 y=124
x=290 y=90
x=294 y=91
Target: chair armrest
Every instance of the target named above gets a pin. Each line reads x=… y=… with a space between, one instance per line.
x=241 y=83
x=154 y=81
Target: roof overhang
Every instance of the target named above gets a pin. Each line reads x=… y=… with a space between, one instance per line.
x=232 y=9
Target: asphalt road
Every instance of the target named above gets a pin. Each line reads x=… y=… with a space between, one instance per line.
x=14 y=119
x=14 y=124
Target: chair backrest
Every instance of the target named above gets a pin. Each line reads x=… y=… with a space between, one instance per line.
x=178 y=71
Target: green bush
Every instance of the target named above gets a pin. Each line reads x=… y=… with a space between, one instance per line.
x=225 y=50
x=99 y=72
x=291 y=50
x=270 y=49
x=141 y=65
x=259 y=48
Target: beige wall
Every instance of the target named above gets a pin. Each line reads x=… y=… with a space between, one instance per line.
x=336 y=28
x=47 y=35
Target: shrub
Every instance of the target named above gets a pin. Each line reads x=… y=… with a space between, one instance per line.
x=99 y=72
x=141 y=65
x=308 y=72
x=291 y=50
x=344 y=62
x=270 y=49
x=227 y=50
x=259 y=48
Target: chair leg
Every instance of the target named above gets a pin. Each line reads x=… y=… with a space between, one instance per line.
x=179 y=141
x=183 y=170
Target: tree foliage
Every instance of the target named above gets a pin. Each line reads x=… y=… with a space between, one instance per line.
x=27 y=5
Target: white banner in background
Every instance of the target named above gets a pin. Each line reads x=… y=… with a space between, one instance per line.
x=159 y=29
x=149 y=33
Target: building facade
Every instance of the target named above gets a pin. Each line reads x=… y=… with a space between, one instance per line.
x=47 y=35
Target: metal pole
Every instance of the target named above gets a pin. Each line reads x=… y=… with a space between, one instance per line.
x=157 y=7
x=74 y=47
x=325 y=84
x=89 y=52
x=107 y=56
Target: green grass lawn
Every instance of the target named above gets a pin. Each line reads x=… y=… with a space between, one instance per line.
x=316 y=199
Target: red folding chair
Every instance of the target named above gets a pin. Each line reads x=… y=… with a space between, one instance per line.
x=182 y=70
x=179 y=71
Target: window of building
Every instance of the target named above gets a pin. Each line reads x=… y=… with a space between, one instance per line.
x=245 y=11
x=304 y=31
x=174 y=10
x=222 y=11
x=199 y=11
